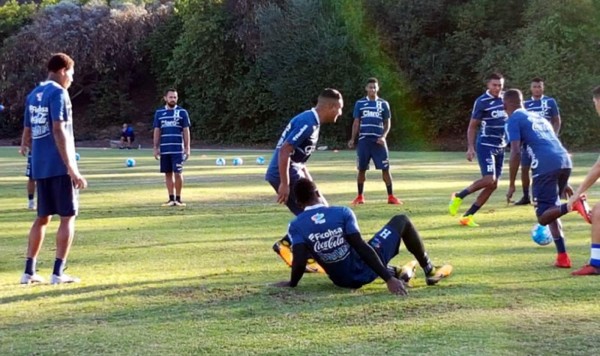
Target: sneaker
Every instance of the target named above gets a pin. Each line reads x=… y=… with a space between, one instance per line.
x=587 y=270
x=360 y=199
x=178 y=203
x=468 y=221
x=31 y=205
x=562 y=261
x=31 y=278
x=63 y=278
x=581 y=206
x=437 y=274
x=523 y=201
x=169 y=203
x=395 y=201
x=454 y=204
x=407 y=272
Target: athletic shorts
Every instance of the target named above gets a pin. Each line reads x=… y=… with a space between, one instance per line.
x=28 y=169
x=295 y=174
x=547 y=188
x=369 y=149
x=525 y=157
x=171 y=163
x=57 y=196
x=490 y=160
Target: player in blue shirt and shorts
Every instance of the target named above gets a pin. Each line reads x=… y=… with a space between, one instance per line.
x=295 y=146
x=49 y=132
x=371 y=124
x=550 y=164
x=331 y=235
x=547 y=108
x=172 y=144
x=489 y=117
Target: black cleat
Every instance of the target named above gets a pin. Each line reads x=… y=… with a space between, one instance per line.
x=523 y=201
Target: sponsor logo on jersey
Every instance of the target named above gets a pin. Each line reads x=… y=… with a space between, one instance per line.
x=318 y=218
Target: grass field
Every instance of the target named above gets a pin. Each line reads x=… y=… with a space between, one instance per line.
x=196 y=280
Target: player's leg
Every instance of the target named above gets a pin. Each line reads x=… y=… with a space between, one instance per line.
x=178 y=178
x=67 y=205
x=122 y=146
x=484 y=154
x=381 y=159
x=363 y=157
x=166 y=167
x=525 y=178
x=593 y=266
x=38 y=231
x=129 y=142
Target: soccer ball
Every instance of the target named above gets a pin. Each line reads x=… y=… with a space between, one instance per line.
x=237 y=161
x=130 y=162
x=77 y=156
x=260 y=160
x=221 y=161
x=541 y=235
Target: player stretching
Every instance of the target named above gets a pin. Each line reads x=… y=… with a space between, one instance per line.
x=332 y=236
x=488 y=112
x=172 y=144
x=372 y=124
x=551 y=166
x=294 y=148
x=547 y=108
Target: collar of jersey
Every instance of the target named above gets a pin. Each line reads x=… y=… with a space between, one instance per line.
x=313 y=207
x=521 y=110
x=541 y=98
x=316 y=115
x=494 y=97
x=167 y=108
x=367 y=98
x=51 y=82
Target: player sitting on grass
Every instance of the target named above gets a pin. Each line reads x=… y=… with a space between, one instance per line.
x=331 y=235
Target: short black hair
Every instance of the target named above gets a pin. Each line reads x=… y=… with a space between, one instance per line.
x=513 y=95
x=537 y=80
x=495 y=76
x=373 y=80
x=596 y=92
x=60 y=61
x=170 y=89
x=329 y=93
x=305 y=190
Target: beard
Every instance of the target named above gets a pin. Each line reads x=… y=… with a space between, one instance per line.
x=172 y=104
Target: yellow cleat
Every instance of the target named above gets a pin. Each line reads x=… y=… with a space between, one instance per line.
x=454 y=204
x=468 y=221
x=438 y=274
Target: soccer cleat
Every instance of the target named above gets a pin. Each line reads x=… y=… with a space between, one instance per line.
x=454 y=204
x=284 y=250
x=63 y=278
x=178 y=203
x=169 y=203
x=437 y=274
x=582 y=207
x=360 y=199
x=394 y=201
x=587 y=270
x=468 y=221
x=562 y=261
x=523 y=201
x=407 y=272
x=31 y=278
x=31 y=205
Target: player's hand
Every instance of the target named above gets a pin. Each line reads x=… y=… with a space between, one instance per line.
x=510 y=193
x=282 y=284
x=381 y=141
x=351 y=144
x=79 y=182
x=396 y=286
x=567 y=192
x=186 y=155
x=283 y=193
x=156 y=154
x=23 y=150
x=470 y=154
x=572 y=201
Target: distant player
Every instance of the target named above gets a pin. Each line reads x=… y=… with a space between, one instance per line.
x=295 y=146
x=26 y=150
x=551 y=166
x=172 y=144
x=49 y=132
x=332 y=236
x=372 y=119
x=577 y=202
x=547 y=108
x=488 y=115
x=127 y=136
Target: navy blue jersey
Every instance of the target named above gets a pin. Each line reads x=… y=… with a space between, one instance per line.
x=545 y=106
x=323 y=230
x=47 y=103
x=546 y=151
x=302 y=133
x=372 y=115
x=490 y=111
x=171 y=123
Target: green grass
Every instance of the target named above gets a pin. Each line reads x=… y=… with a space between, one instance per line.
x=196 y=280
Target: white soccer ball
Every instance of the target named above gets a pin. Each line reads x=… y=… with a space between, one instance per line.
x=260 y=160
x=77 y=156
x=237 y=161
x=541 y=235
x=130 y=162
x=220 y=161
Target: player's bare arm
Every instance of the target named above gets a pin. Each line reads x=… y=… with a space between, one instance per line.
x=471 y=135
x=355 y=129
x=156 y=142
x=186 y=141
x=386 y=130
x=25 y=141
x=514 y=162
x=556 y=122
x=283 y=192
x=589 y=180
x=300 y=253
x=60 y=137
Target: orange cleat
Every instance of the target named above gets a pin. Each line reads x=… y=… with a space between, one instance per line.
x=562 y=261
x=587 y=270
x=360 y=199
x=581 y=206
x=394 y=201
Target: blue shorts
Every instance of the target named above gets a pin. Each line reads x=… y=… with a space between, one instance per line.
x=491 y=160
x=525 y=157
x=171 y=163
x=28 y=169
x=295 y=175
x=57 y=196
x=369 y=149
x=547 y=188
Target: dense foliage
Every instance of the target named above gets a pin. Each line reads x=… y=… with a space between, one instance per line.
x=244 y=67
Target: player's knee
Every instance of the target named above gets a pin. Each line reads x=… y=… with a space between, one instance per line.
x=399 y=221
x=596 y=214
x=42 y=220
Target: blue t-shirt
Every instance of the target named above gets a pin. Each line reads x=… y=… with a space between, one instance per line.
x=47 y=103
x=128 y=132
x=546 y=151
x=171 y=123
x=545 y=106
x=372 y=115
x=490 y=111
x=302 y=133
x=323 y=230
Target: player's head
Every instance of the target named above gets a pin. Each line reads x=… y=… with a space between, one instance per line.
x=329 y=105
x=537 y=87
x=306 y=192
x=513 y=100
x=372 y=87
x=495 y=83
x=124 y=126
x=171 y=97
x=61 y=68
x=596 y=93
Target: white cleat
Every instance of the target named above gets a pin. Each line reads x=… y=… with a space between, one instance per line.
x=31 y=278
x=63 y=278
x=31 y=205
